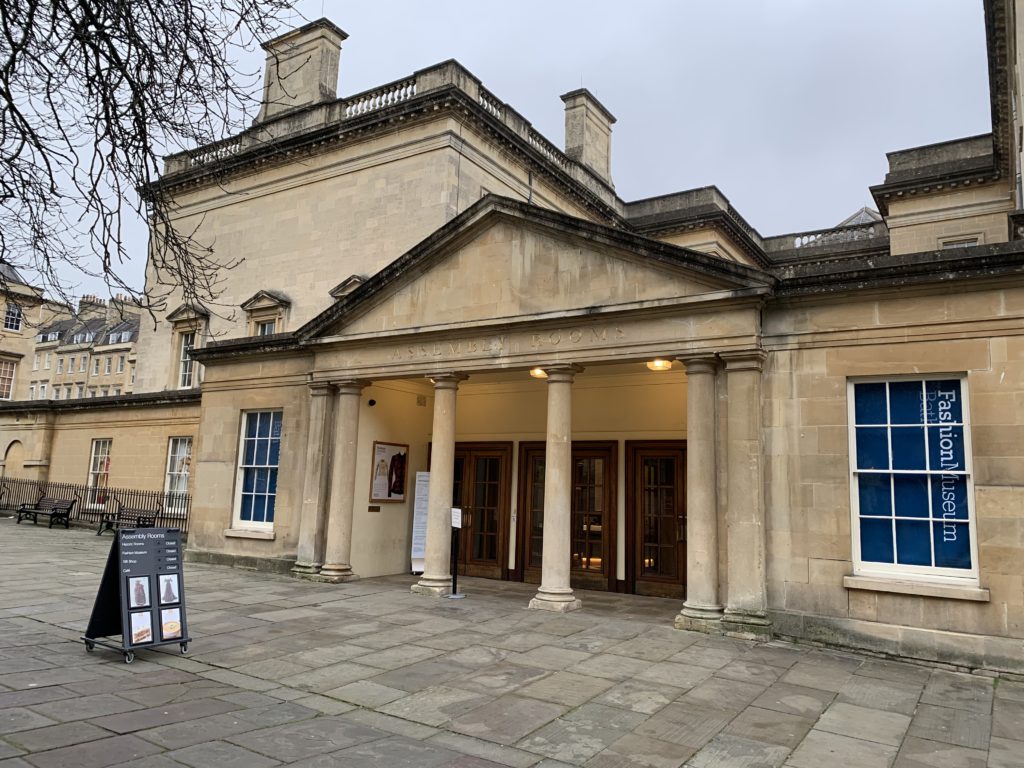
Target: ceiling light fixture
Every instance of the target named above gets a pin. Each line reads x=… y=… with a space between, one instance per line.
x=659 y=365
x=538 y=373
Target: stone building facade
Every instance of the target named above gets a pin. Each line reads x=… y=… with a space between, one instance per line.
x=815 y=435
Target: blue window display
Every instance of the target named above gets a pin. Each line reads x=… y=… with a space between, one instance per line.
x=911 y=476
x=261 y=450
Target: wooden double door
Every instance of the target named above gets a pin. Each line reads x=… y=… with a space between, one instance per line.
x=655 y=514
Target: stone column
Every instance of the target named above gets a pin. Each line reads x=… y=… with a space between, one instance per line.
x=702 y=606
x=317 y=466
x=746 y=610
x=437 y=577
x=338 y=557
x=555 y=593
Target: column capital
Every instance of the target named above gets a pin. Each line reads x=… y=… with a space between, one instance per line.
x=351 y=386
x=320 y=388
x=698 y=362
x=447 y=379
x=744 y=359
x=562 y=372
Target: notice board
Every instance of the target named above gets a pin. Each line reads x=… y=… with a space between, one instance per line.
x=142 y=593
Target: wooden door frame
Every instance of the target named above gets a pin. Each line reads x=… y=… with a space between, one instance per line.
x=505 y=525
x=632 y=447
x=522 y=489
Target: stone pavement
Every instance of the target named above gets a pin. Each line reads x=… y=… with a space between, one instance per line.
x=290 y=672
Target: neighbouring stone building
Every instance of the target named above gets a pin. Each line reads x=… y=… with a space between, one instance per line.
x=816 y=435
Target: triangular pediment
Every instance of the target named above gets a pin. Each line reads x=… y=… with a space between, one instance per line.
x=508 y=261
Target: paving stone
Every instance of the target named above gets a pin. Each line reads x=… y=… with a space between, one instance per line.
x=22 y=719
x=45 y=677
x=434 y=706
x=952 y=726
x=722 y=694
x=650 y=649
x=582 y=733
x=297 y=741
x=500 y=678
x=821 y=750
x=959 y=691
x=96 y=754
x=30 y=696
x=795 y=699
x=611 y=667
x=896 y=671
x=890 y=695
x=398 y=656
x=390 y=724
x=157 y=716
x=639 y=696
x=477 y=656
x=219 y=754
x=1004 y=690
x=324 y=704
x=863 y=723
x=566 y=688
x=85 y=707
x=728 y=750
x=507 y=719
x=154 y=761
x=631 y=751
x=366 y=693
x=7 y=750
x=922 y=753
x=271 y=669
x=525 y=641
x=825 y=677
x=393 y=753
x=702 y=656
x=688 y=724
x=748 y=671
x=672 y=673
x=55 y=736
x=324 y=657
x=1007 y=719
x=423 y=674
x=238 y=680
x=769 y=726
x=328 y=678
x=549 y=657
x=496 y=753
x=776 y=654
x=1005 y=753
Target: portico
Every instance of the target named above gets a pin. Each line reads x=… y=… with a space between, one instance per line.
x=559 y=506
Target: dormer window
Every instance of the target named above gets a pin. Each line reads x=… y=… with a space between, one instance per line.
x=267 y=311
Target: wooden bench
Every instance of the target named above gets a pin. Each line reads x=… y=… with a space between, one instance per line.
x=125 y=517
x=58 y=510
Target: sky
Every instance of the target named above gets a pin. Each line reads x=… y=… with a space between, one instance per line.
x=787 y=106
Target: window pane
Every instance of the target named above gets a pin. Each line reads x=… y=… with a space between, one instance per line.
x=913 y=543
x=952 y=545
x=275 y=453
x=276 y=428
x=269 y=513
x=911 y=493
x=261 y=480
x=949 y=497
x=944 y=403
x=259 y=504
x=251 y=421
x=246 y=512
x=262 y=446
x=249 y=455
x=263 y=428
x=876 y=541
x=946 y=447
x=875 y=495
x=869 y=403
x=272 y=484
x=906 y=404
x=908 y=448
x=872 y=448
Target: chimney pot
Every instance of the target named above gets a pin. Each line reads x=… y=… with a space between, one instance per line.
x=588 y=133
x=301 y=68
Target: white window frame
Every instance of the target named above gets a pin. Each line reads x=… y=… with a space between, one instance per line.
x=176 y=478
x=80 y=391
x=95 y=366
x=894 y=571
x=8 y=380
x=262 y=324
x=120 y=363
x=13 y=317
x=83 y=364
x=35 y=362
x=60 y=365
x=46 y=361
x=108 y=365
x=186 y=365
x=42 y=390
x=67 y=393
x=99 y=471
x=31 y=391
x=240 y=468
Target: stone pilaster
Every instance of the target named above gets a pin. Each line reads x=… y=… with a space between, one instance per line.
x=338 y=558
x=313 y=518
x=746 y=611
x=555 y=593
x=702 y=609
x=437 y=577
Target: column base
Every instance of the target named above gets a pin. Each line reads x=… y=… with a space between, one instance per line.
x=559 y=602
x=433 y=586
x=306 y=570
x=696 y=617
x=747 y=625
x=336 y=574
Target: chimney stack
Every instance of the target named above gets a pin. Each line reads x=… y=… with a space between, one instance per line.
x=588 y=133
x=301 y=69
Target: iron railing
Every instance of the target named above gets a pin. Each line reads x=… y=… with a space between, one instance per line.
x=96 y=505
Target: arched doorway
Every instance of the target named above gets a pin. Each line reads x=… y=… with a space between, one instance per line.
x=14 y=460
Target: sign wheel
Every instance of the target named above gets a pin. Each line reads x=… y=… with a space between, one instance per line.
x=90 y=646
x=129 y=657
x=184 y=648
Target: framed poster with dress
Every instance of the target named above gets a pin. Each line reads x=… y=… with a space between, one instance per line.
x=388 y=472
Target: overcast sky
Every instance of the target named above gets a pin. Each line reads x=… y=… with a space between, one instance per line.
x=788 y=106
